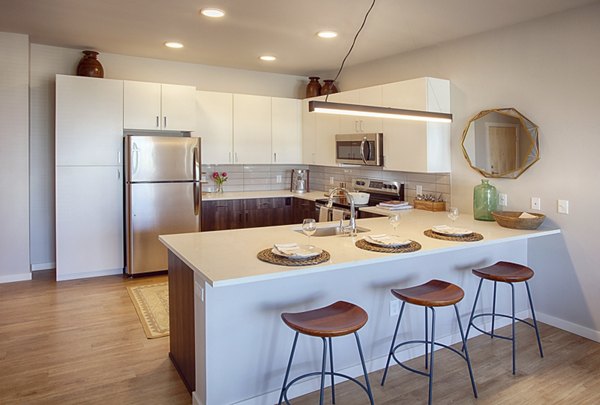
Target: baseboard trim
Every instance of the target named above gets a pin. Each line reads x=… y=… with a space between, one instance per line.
x=571 y=327
x=43 y=266
x=11 y=278
x=100 y=273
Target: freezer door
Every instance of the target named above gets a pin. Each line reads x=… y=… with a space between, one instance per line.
x=158 y=209
x=162 y=158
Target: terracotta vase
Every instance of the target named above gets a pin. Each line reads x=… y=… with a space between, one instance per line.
x=328 y=87
x=89 y=65
x=313 y=88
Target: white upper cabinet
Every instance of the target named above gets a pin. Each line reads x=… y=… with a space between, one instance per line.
x=286 y=140
x=214 y=114
x=251 y=129
x=155 y=106
x=89 y=121
x=318 y=134
x=415 y=146
x=309 y=133
x=370 y=96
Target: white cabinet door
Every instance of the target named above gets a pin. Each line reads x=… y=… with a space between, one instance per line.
x=251 y=129
x=371 y=96
x=348 y=123
x=89 y=121
x=214 y=113
x=141 y=105
x=178 y=107
x=155 y=106
x=285 y=130
x=89 y=221
x=309 y=134
x=327 y=127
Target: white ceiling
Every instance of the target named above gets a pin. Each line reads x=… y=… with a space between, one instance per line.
x=284 y=28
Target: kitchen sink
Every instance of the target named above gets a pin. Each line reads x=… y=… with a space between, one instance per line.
x=333 y=231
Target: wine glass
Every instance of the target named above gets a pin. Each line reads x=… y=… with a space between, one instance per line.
x=309 y=227
x=394 y=221
x=453 y=214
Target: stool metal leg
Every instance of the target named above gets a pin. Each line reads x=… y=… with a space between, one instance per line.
x=387 y=364
x=287 y=371
x=364 y=367
x=321 y=398
x=426 y=337
x=514 y=367
x=493 y=310
x=473 y=310
x=537 y=332
x=432 y=351
x=332 y=376
x=462 y=335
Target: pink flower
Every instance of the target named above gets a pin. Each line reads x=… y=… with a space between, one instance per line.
x=215 y=175
x=224 y=174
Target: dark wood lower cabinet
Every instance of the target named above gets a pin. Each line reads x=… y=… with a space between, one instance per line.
x=246 y=213
x=181 y=321
x=303 y=209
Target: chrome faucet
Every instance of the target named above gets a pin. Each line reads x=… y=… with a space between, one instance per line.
x=352 y=220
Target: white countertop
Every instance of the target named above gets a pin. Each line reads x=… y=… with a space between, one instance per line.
x=313 y=195
x=228 y=257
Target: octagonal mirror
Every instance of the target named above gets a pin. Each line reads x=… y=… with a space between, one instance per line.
x=501 y=143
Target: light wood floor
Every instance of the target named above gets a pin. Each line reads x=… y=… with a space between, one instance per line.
x=80 y=342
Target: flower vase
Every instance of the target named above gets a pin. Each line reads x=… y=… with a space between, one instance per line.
x=219 y=188
x=485 y=201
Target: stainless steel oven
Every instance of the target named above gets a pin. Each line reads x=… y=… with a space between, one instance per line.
x=359 y=149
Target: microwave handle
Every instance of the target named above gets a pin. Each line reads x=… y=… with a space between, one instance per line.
x=362 y=149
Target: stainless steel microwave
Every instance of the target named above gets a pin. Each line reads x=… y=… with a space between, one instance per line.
x=359 y=149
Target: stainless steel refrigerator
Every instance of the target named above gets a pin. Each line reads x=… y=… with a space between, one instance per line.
x=162 y=196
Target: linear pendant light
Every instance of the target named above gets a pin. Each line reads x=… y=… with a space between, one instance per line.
x=328 y=107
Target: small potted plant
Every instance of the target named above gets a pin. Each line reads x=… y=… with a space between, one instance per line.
x=219 y=179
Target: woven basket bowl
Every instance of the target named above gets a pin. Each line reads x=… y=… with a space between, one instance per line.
x=510 y=219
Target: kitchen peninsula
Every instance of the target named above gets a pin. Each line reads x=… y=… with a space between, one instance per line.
x=241 y=345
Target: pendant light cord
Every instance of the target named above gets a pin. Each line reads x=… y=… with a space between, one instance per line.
x=351 y=47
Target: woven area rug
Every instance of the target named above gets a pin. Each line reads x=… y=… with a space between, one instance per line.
x=151 y=303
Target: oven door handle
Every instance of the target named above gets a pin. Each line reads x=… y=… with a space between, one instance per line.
x=362 y=149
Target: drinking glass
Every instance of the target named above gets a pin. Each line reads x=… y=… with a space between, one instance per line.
x=309 y=227
x=453 y=214
x=394 y=221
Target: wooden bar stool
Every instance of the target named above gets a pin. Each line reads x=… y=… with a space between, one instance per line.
x=338 y=319
x=434 y=293
x=510 y=273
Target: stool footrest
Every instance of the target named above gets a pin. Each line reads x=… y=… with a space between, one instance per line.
x=502 y=316
x=318 y=373
x=424 y=374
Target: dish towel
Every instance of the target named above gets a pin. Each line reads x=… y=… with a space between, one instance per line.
x=338 y=215
x=324 y=214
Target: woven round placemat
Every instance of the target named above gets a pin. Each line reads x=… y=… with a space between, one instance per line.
x=268 y=256
x=474 y=237
x=412 y=247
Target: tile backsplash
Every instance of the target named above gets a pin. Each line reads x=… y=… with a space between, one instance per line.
x=265 y=177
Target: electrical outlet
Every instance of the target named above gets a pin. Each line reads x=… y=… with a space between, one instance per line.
x=394 y=307
x=563 y=206
x=278 y=178
x=503 y=199
x=419 y=189
x=536 y=203
x=331 y=180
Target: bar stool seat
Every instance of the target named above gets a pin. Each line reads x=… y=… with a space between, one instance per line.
x=434 y=293
x=338 y=319
x=505 y=272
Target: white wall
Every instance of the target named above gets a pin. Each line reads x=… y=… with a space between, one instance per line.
x=548 y=70
x=14 y=157
x=46 y=61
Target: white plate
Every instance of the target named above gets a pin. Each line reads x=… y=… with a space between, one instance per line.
x=386 y=240
x=298 y=252
x=451 y=231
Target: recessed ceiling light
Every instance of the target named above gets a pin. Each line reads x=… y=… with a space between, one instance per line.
x=212 y=12
x=268 y=58
x=327 y=34
x=175 y=45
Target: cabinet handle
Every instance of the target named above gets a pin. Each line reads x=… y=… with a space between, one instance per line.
x=236 y=157
x=157 y=123
x=119 y=157
x=275 y=157
x=165 y=121
x=356 y=126
x=361 y=126
x=229 y=160
x=118 y=174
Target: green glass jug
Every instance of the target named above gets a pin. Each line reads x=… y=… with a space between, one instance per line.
x=485 y=200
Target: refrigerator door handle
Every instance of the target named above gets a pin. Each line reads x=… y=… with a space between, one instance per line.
x=196 y=164
x=134 y=159
x=196 y=176
x=197 y=188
